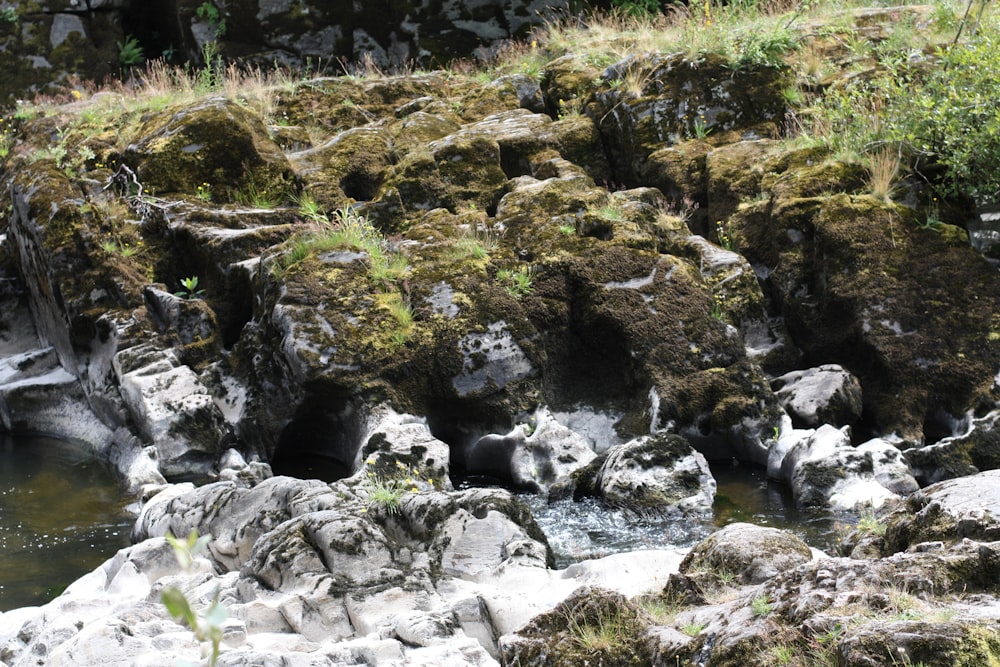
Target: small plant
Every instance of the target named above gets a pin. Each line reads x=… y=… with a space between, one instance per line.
x=609 y=212
x=9 y=15
x=700 y=128
x=662 y=609
x=725 y=578
x=932 y=221
x=883 y=170
x=385 y=491
x=207 y=624
x=761 y=605
x=719 y=307
x=255 y=197
x=604 y=633
x=869 y=524
x=190 y=290
x=822 y=648
x=207 y=11
x=572 y=108
x=401 y=313
x=693 y=629
x=130 y=52
x=311 y=210
x=517 y=281
x=725 y=239
x=204 y=192
x=567 y=230
x=782 y=654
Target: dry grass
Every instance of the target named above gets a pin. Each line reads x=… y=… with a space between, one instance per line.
x=883 y=173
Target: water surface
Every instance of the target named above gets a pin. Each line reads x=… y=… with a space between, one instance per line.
x=590 y=529
x=61 y=515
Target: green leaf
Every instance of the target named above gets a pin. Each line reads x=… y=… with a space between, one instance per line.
x=178 y=606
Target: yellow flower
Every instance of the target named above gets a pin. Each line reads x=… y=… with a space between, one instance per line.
x=76 y=94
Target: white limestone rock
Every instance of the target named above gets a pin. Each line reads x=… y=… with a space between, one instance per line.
x=659 y=473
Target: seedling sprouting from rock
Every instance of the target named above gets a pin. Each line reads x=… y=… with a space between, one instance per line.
x=190 y=290
x=207 y=624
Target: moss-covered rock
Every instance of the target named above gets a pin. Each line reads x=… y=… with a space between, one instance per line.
x=752 y=554
x=651 y=100
x=590 y=627
x=860 y=284
x=215 y=146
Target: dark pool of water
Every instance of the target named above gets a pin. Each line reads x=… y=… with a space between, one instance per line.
x=61 y=515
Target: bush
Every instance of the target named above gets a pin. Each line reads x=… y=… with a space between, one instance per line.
x=940 y=113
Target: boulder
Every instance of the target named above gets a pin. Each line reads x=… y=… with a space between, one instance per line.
x=548 y=453
x=659 y=473
x=172 y=409
x=823 y=469
x=822 y=395
x=216 y=147
x=559 y=638
x=752 y=554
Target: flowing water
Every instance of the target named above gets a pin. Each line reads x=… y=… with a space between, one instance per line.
x=589 y=529
x=61 y=515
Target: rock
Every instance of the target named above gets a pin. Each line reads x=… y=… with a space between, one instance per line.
x=174 y=410
x=823 y=395
x=918 y=379
x=752 y=554
x=971 y=451
x=38 y=396
x=891 y=467
x=558 y=638
x=659 y=474
x=396 y=441
x=823 y=469
x=548 y=454
x=834 y=607
x=943 y=642
x=666 y=106
x=952 y=510
x=214 y=143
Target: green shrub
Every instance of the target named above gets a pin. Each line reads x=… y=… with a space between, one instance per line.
x=940 y=115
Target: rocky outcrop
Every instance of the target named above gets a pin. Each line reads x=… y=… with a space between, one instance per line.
x=306 y=569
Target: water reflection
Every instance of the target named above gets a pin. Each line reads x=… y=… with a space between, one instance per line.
x=61 y=515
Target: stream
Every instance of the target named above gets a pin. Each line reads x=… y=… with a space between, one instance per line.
x=61 y=515
x=589 y=529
